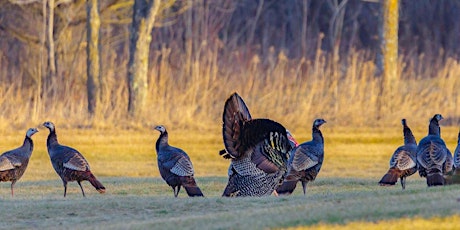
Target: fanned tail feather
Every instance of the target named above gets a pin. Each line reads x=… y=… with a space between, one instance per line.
x=390 y=178
x=97 y=184
x=287 y=188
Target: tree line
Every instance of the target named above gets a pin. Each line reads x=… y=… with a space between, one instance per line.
x=45 y=44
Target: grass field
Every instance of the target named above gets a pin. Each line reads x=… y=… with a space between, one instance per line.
x=344 y=196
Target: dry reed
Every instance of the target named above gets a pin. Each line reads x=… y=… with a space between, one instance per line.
x=293 y=92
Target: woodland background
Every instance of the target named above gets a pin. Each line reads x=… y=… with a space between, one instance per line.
x=291 y=61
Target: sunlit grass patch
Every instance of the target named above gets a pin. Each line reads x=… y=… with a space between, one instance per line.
x=449 y=222
x=358 y=152
x=145 y=203
x=345 y=191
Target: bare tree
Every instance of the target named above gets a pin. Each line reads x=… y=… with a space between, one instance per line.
x=144 y=15
x=390 y=41
x=93 y=25
x=387 y=55
x=51 y=70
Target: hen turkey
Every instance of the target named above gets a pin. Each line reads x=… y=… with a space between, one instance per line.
x=434 y=160
x=13 y=163
x=175 y=166
x=457 y=153
x=403 y=162
x=456 y=162
x=258 y=149
x=68 y=163
x=305 y=161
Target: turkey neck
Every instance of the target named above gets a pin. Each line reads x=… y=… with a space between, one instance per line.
x=434 y=129
x=52 y=139
x=28 y=144
x=317 y=135
x=162 y=140
x=408 y=136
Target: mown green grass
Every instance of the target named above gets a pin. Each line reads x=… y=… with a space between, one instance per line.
x=345 y=193
x=147 y=203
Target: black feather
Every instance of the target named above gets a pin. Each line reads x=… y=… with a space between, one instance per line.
x=258 y=148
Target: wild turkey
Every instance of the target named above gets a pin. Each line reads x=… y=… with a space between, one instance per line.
x=432 y=154
x=258 y=149
x=449 y=169
x=68 y=163
x=457 y=154
x=292 y=142
x=456 y=162
x=403 y=162
x=305 y=161
x=175 y=166
x=13 y=163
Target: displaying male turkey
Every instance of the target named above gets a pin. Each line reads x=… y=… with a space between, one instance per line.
x=403 y=162
x=305 y=161
x=68 y=163
x=175 y=166
x=432 y=154
x=258 y=149
x=292 y=141
x=13 y=163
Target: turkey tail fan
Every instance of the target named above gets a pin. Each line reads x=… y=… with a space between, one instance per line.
x=287 y=188
x=191 y=187
x=235 y=104
x=235 y=113
x=97 y=184
x=390 y=178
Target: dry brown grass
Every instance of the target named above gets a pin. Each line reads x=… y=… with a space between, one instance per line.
x=293 y=92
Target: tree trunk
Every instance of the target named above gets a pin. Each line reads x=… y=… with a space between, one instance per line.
x=390 y=42
x=51 y=76
x=144 y=14
x=93 y=25
x=304 y=28
x=387 y=54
